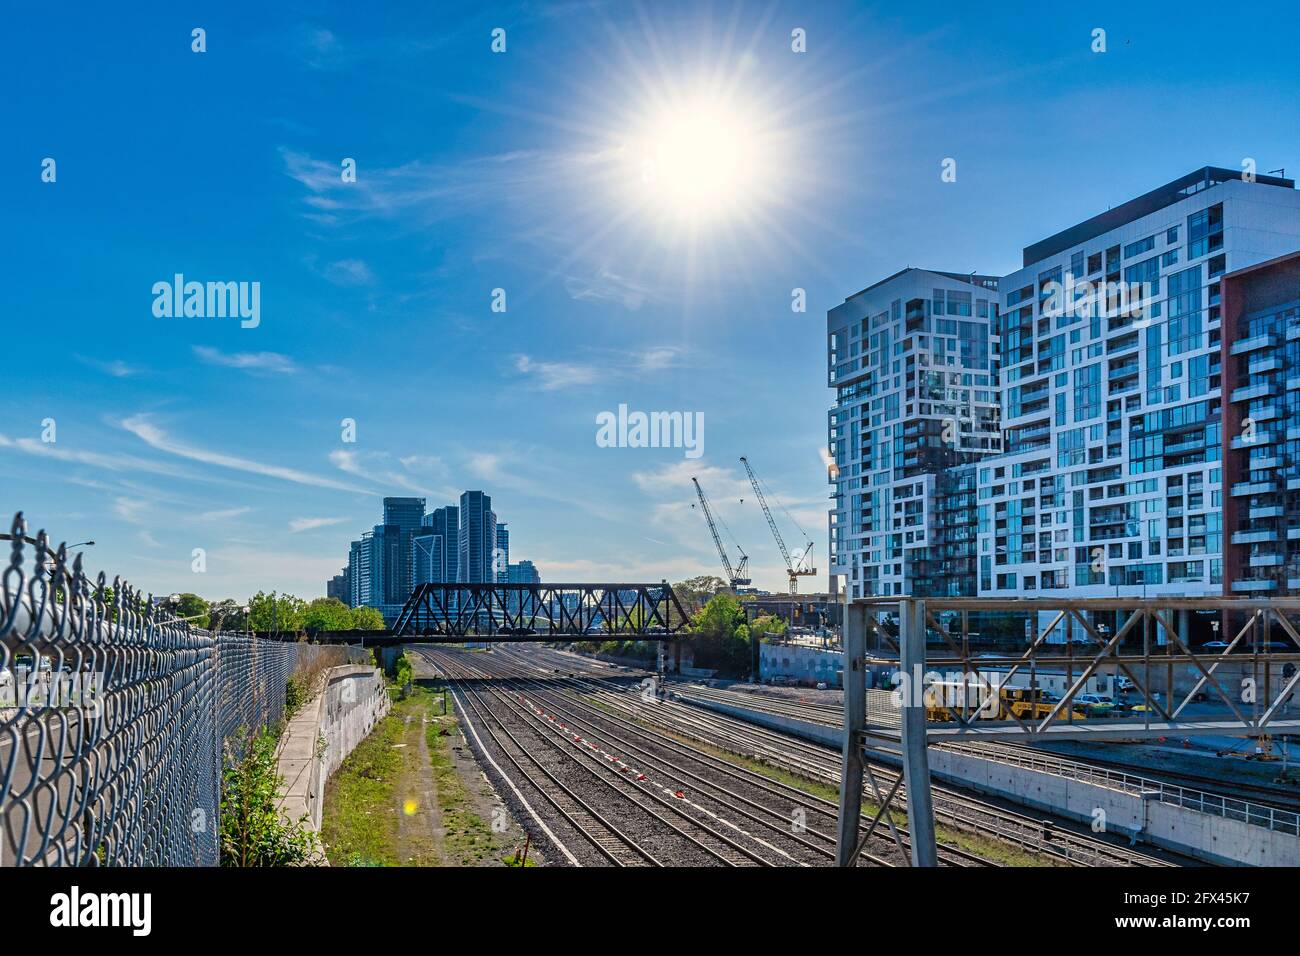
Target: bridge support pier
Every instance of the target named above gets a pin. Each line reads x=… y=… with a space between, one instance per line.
x=855 y=719
x=916 y=762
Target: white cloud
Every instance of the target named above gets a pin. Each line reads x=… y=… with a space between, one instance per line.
x=248 y=361
x=309 y=524
x=550 y=376
x=349 y=272
x=154 y=437
x=224 y=514
x=114 y=367
x=607 y=286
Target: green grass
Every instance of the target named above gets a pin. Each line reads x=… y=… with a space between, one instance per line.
x=361 y=820
x=358 y=825
x=468 y=840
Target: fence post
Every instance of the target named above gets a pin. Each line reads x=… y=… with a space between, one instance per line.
x=916 y=764
x=855 y=717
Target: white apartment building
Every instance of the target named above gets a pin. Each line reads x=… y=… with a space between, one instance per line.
x=1076 y=404
x=913 y=361
x=1111 y=484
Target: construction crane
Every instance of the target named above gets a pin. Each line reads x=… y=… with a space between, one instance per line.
x=796 y=569
x=735 y=577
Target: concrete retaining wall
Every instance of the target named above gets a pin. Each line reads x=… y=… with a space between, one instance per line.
x=809 y=665
x=1204 y=836
x=351 y=702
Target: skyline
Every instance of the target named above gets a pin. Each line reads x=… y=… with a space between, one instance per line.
x=473 y=174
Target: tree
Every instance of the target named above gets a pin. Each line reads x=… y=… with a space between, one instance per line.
x=367 y=619
x=191 y=606
x=275 y=612
x=765 y=624
x=721 y=636
x=694 y=592
x=226 y=615
x=328 y=614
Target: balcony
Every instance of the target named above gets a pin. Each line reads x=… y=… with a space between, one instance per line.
x=1293 y=383
x=1264 y=363
x=1293 y=533
x=1293 y=333
x=1264 y=536
x=1264 y=462
x=1250 y=586
x=1267 y=560
x=1243 y=488
x=1268 y=511
x=1258 y=440
x=1268 y=340
x=1260 y=390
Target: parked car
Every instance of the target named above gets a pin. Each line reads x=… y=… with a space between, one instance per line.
x=1095 y=704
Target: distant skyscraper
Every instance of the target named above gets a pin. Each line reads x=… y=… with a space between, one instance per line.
x=478 y=537
x=404 y=514
x=525 y=572
x=337 y=587
x=436 y=547
x=501 y=557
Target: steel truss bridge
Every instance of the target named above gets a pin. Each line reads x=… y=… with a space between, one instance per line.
x=1243 y=682
x=452 y=613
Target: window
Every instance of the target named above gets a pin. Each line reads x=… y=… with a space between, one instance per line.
x=1139 y=247
x=1205 y=231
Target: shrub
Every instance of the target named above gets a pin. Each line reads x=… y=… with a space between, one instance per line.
x=252 y=831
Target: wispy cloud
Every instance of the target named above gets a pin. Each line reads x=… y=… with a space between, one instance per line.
x=110 y=462
x=376 y=468
x=224 y=514
x=271 y=362
x=607 y=286
x=604 y=365
x=550 y=376
x=349 y=272
x=308 y=524
x=154 y=437
x=114 y=367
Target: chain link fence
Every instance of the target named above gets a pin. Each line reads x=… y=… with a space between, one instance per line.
x=117 y=718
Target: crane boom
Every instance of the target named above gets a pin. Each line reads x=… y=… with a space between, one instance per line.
x=767 y=513
x=735 y=576
x=794 y=569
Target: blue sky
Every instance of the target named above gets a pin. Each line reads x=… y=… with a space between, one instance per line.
x=479 y=170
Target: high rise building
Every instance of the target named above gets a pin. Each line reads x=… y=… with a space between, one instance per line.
x=1111 y=378
x=1260 y=362
x=337 y=587
x=523 y=572
x=501 y=557
x=477 y=540
x=913 y=360
x=1101 y=396
x=406 y=515
x=436 y=547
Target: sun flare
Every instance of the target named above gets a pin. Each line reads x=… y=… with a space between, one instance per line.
x=701 y=158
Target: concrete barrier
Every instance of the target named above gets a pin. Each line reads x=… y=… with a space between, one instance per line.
x=1210 y=837
x=316 y=741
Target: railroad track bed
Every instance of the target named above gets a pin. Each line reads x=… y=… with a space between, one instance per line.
x=1058 y=841
x=604 y=796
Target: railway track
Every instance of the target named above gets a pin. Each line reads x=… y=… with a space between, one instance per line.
x=1260 y=794
x=740 y=817
x=1060 y=840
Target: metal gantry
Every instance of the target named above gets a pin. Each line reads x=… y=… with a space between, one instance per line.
x=1246 y=680
x=451 y=613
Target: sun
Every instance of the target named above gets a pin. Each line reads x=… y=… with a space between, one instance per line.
x=700 y=158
